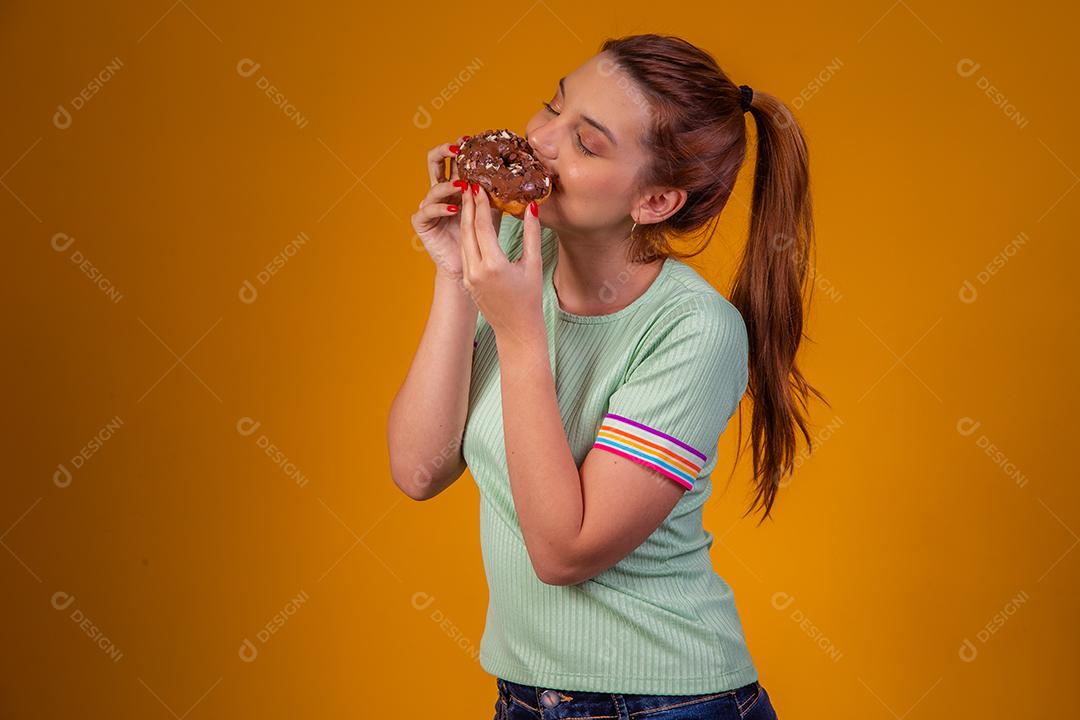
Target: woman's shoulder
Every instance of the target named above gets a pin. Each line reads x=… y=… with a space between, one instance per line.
x=691 y=298
x=694 y=316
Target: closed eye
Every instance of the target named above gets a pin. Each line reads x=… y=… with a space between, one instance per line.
x=577 y=136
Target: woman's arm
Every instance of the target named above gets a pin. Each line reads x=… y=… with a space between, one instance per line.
x=575 y=524
x=427 y=416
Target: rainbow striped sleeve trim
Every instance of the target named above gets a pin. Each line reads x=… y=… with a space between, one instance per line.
x=651 y=448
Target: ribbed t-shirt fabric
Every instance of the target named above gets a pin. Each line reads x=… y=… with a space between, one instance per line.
x=655 y=382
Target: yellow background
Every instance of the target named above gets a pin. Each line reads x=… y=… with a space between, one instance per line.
x=942 y=492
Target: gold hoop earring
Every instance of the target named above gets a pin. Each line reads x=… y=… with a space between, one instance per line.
x=632 y=230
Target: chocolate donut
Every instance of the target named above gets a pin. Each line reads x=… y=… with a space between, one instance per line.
x=503 y=163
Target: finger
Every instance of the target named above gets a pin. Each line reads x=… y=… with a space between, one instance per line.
x=442 y=191
x=486 y=237
x=437 y=161
x=426 y=217
x=468 y=232
x=530 y=250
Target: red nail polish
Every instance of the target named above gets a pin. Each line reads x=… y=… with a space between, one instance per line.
x=460 y=184
x=533 y=209
x=455 y=149
x=476 y=189
x=452 y=208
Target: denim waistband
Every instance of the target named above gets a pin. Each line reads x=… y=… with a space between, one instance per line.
x=581 y=703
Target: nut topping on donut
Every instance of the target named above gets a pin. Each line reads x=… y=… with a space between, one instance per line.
x=504 y=164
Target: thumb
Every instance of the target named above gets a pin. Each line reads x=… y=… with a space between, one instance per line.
x=530 y=252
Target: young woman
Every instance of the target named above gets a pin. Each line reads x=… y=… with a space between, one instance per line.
x=588 y=397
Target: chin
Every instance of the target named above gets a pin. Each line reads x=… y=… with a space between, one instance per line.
x=548 y=211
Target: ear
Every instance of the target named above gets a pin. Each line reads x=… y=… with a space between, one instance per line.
x=658 y=204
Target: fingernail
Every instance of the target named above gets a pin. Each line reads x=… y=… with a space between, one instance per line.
x=533 y=209
x=452 y=208
x=455 y=149
x=460 y=184
x=476 y=189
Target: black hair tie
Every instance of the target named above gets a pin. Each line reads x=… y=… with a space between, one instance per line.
x=747 y=96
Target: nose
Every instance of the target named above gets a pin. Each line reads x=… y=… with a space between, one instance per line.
x=543 y=148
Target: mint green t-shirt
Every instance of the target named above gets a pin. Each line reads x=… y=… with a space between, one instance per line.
x=655 y=382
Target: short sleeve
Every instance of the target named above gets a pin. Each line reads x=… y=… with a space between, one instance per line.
x=681 y=390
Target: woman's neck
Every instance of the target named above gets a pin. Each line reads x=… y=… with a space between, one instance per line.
x=594 y=277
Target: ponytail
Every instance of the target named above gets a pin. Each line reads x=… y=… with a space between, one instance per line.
x=768 y=290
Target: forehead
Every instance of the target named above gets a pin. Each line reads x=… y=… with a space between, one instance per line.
x=603 y=91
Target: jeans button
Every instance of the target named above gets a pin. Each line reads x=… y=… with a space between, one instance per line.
x=549 y=698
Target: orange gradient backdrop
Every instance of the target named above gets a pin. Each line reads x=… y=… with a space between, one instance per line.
x=216 y=293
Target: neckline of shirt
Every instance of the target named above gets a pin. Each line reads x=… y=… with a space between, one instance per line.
x=654 y=287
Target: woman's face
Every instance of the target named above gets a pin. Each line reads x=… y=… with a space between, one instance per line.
x=591 y=139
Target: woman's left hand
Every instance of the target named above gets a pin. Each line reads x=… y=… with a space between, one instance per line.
x=509 y=294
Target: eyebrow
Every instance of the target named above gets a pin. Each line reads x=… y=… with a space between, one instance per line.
x=595 y=123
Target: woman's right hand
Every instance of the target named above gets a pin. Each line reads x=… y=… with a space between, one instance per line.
x=436 y=224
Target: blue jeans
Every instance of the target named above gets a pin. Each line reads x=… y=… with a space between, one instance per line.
x=527 y=702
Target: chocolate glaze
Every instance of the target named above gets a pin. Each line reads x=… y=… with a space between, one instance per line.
x=503 y=163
